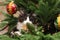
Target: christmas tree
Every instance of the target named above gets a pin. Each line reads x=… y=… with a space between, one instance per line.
x=39 y=20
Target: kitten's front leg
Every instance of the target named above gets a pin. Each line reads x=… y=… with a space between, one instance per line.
x=19 y=26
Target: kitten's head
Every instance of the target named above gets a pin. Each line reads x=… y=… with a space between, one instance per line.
x=32 y=18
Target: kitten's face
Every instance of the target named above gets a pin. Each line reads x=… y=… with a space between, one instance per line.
x=32 y=18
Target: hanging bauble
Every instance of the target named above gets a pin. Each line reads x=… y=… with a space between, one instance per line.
x=11 y=8
x=58 y=21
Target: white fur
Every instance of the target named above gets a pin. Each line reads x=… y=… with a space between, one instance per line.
x=20 y=25
x=27 y=21
x=17 y=33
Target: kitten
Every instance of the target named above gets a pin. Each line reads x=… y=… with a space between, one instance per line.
x=23 y=20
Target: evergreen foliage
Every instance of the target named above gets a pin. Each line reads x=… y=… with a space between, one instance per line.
x=45 y=10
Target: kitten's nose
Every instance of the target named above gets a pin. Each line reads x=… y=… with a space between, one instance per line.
x=27 y=21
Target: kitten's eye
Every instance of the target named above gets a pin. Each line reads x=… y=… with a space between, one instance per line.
x=21 y=19
x=32 y=19
x=25 y=18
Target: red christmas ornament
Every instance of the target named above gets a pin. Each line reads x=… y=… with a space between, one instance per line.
x=11 y=8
